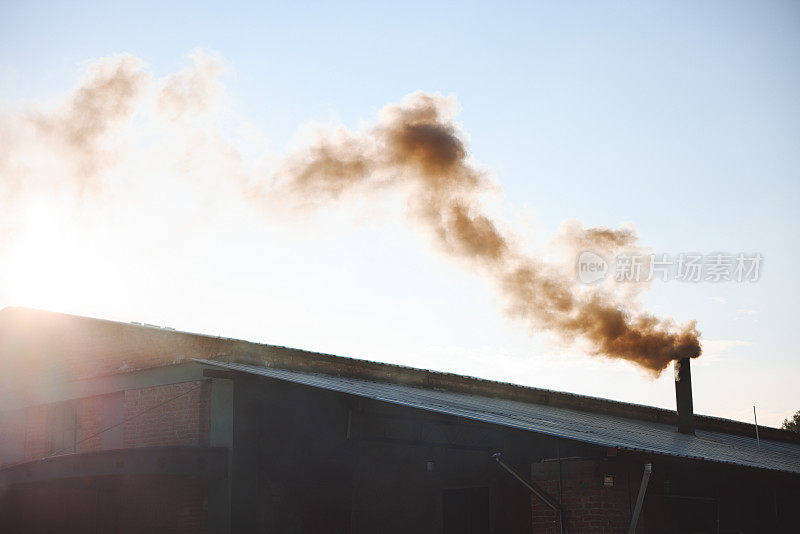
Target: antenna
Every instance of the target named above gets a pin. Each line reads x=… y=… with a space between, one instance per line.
x=758 y=442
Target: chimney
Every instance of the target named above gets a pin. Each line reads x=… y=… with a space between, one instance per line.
x=683 y=396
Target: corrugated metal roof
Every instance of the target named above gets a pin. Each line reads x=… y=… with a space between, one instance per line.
x=598 y=429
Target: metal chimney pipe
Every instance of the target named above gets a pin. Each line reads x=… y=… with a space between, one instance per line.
x=683 y=396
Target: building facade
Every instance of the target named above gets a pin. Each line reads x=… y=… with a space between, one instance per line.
x=113 y=427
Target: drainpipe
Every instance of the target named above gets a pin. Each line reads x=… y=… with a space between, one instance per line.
x=648 y=468
x=534 y=488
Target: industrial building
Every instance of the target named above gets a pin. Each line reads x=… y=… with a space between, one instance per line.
x=117 y=427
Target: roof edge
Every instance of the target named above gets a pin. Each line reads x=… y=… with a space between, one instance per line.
x=253 y=353
x=313 y=362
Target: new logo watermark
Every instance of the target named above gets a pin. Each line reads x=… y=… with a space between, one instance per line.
x=683 y=267
x=591 y=267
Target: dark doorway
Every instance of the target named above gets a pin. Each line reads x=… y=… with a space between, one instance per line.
x=466 y=510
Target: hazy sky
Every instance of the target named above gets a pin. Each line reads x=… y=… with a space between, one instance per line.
x=681 y=118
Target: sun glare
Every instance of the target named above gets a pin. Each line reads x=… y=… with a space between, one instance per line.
x=54 y=262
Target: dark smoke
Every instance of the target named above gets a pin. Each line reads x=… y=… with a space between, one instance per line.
x=415 y=146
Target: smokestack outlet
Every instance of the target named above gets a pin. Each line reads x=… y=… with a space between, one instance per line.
x=683 y=396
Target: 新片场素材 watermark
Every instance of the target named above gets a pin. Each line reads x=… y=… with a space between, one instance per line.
x=683 y=267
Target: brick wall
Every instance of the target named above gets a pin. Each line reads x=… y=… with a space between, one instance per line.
x=34 y=422
x=42 y=425
x=590 y=507
x=89 y=413
x=175 y=414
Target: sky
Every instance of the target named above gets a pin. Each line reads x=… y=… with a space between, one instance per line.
x=679 y=118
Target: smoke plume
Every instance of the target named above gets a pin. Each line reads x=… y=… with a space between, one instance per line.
x=416 y=147
x=123 y=126
x=80 y=130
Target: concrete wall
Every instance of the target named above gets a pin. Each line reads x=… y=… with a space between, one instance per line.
x=152 y=504
x=309 y=460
